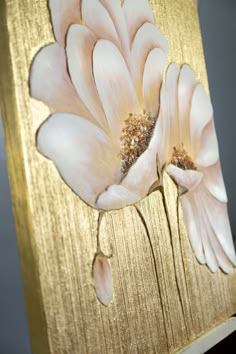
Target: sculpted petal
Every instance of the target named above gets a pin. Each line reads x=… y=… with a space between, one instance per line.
x=115 y=11
x=147 y=37
x=103 y=279
x=213 y=181
x=142 y=174
x=218 y=218
x=152 y=78
x=50 y=83
x=116 y=197
x=114 y=85
x=64 y=13
x=186 y=86
x=188 y=179
x=200 y=115
x=97 y=19
x=190 y=213
x=80 y=44
x=83 y=154
x=208 y=152
x=143 y=13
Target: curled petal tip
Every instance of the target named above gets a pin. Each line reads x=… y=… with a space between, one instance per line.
x=103 y=279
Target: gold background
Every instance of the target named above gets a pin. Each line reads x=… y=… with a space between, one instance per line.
x=163 y=298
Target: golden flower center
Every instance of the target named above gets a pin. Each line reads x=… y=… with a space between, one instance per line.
x=135 y=137
x=181 y=159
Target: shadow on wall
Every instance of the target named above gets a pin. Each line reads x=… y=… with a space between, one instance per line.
x=14 y=338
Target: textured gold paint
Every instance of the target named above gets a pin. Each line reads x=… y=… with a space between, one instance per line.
x=163 y=298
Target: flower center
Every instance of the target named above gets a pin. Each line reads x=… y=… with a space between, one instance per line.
x=181 y=159
x=135 y=137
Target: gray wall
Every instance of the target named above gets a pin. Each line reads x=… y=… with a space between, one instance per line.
x=218 y=22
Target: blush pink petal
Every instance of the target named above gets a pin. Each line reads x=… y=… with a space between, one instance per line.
x=222 y=259
x=208 y=152
x=115 y=11
x=218 y=218
x=116 y=197
x=190 y=213
x=186 y=85
x=80 y=45
x=83 y=154
x=152 y=78
x=213 y=181
x=97 y=19
x=142 y=174
x=188 y=179
x=114 y=86
x=200 y=115
x=147 y=37
x=64 y=13
x=103 y=279
x=143 y=13
x=50 y=83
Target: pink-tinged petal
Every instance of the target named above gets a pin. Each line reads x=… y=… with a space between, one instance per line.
x=190 y=213
x=208 y=152
x=222 y=259
x=114 y=85
x=97 y=19
x=64 y=13
x=147 y=37
x=83 y=154
x=213 y=181
x=152 y=78
x=162 y=133
x=50 y=83
x=80 y=44
x=172 y=77
x=200 y=115
x=186 y=85
x=116 y=197
x=143 y=13
x=115 y=11
x=103 y=279
x=218 y=217
x=188 y=179
x=142 y=174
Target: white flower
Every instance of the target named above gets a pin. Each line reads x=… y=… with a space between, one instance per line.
x=102 y=79
x=188 y=152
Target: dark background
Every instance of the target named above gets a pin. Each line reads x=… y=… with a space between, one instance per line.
x=218 y=23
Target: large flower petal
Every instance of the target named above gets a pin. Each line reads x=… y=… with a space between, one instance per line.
x=64 y=13
x=218 y=217
x=213 y=181
x=222 y=259
x=200 y=115
x=142 y=174
x=116 y=197
x=97 y=19
x=50 y=83
x=192 y=223
x=114 y=86
x=208 y=152
x=147 y=37
x=80 y=44
x=188 y=179
x=143 y=13
x=186 y=85
x=81 y=151
x=152 y=78
x=114 y=9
